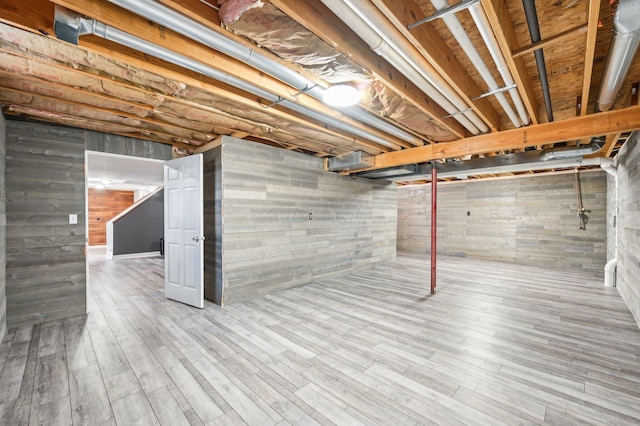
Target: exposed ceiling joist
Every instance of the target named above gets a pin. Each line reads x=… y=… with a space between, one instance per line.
x=502 y=27
x=168 y=39
x=627 y=119
x=594 y=12
x=341 y=37
x=549 y=41
x=427 y=41
x=117 y=88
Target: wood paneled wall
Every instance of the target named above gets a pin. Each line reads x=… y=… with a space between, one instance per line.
x=3 y=231
x=45 y=270
x=122 y=145
x=103 y=206
x=530 y=220
x=212 y=199
x=270 y=242
x=611 y=216
x=628 y=224
x=45 y=254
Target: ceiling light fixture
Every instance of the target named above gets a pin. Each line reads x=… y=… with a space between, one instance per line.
x=341 y=95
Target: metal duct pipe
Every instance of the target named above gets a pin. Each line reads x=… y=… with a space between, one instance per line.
x=607 y=166
x=482 y=23
x=508 y=163
x=534 y=32
x=461 y=36
x=626 y=39
x=198 y=32
x=362 y=18
x=125 y=39
x=562 y=153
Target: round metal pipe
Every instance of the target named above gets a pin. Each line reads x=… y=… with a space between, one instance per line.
x=483 y=25
x=454 y=25
x=196 y=31
x=534 y=32
x=384 y=39
x=626 y=39
x=126 y=39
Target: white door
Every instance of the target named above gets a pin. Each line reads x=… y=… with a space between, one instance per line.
x=183 y=231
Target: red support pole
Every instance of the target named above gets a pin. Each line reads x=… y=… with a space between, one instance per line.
x=434 y=197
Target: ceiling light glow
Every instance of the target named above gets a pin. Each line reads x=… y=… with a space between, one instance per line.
x=341 y=95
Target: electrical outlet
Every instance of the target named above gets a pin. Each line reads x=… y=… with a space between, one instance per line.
x=73 y=219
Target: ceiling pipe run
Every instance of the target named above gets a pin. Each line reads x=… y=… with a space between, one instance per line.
x=563 y=153
x=626 y=39
x=87 y=26
x=482 y=23
x=461 y=36
x=200 y=33
x=534 y=32
x=508 y=163
x=367 y=22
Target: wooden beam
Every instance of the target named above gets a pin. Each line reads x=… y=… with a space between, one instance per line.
x=92 y=112
x=235 y=96
x=439 y=57
x=616 y=121
x=502 y=27
x=121 y=19
x=14 y=41
x=332 y=32
x=218 y=141
x=549 y=41
x=610 y=143
x=104 y=127
x=38 y=15
x=594 y=12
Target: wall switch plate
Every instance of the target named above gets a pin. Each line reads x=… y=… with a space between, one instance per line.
x=73 y=219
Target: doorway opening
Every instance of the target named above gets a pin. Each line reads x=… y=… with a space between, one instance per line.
x=113 y=184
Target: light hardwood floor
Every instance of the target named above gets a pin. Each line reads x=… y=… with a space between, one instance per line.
x=498 y=344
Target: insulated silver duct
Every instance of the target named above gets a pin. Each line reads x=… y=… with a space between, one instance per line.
x=160 y=14
x=626 y=39
x=508 y=163
x=74 y=26
x=571 y=152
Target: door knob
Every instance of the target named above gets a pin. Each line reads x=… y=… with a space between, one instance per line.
x=196 y=239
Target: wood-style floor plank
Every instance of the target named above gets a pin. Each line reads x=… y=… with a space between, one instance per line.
x=498 y=344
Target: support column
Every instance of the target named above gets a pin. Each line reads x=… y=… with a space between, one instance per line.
x=434 y=197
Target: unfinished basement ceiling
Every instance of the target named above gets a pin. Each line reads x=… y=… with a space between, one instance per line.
x=188 y=72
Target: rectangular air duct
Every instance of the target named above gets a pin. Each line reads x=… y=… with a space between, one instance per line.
x=357 y=160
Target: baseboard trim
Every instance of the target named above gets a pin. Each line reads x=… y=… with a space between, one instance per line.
x=136 y=255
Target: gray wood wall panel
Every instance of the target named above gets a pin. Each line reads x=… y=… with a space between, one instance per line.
x=140 y=230
x=3 y=223
x=530 y=220
x=45 y=255
x=122 y=145
x=611 y=216
x=628 y=224
x=268 y=241
x=45 y=182
x=212 y=199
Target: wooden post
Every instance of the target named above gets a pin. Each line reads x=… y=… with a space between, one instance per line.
x=434 y=196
